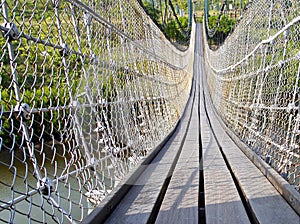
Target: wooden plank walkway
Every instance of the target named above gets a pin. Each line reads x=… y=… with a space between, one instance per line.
x=180 y=203
x=141 y=203
x=200 y=175
x=264 y=202
x=222 y=200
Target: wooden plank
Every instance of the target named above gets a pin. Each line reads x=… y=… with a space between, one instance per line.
x=266 y=204
x=222 y=201
x=180 y=204
x=139 y=202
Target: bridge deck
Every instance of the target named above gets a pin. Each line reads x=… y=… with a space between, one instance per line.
x=200 y=175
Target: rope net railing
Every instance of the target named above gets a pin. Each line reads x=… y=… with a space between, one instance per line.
x=253 y=79
x=88 y=89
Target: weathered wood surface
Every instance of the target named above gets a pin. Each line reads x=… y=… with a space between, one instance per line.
x=265 y=202
x=180 y=204
x=139 y=203
x=222 y=200
x=168 y=189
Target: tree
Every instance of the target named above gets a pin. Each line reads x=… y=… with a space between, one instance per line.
x=226 y=24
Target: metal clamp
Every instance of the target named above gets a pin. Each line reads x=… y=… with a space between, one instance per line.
x=298 y=56
x=46 y=186
x=286 y=34
x=12 y=33
x=281 y=64
x=24 y=110
x=290 y=107
x=65 y=50
x=95 y=59
x=268 y=159
x=87 y=19
x=56 y=3
x=75 y=104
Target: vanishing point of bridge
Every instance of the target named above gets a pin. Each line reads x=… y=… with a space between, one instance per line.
x=103 y=120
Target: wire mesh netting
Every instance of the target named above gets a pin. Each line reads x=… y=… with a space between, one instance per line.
x=253 y=80
x=88 y=89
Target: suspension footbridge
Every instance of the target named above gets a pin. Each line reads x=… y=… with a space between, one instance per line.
x=104 y=120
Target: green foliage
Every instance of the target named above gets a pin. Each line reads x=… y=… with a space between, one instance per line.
x=153 y=12
x=43 y=124
x=169 y=24
x=225 y=26
x=44 y=80
x=173 y=31
x=183 y=4
x=184 y=22
x=199 y=19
